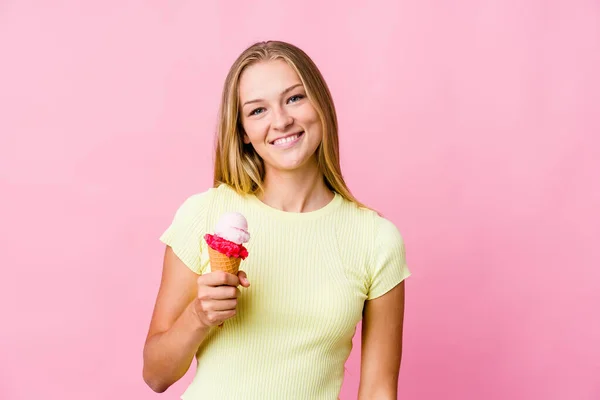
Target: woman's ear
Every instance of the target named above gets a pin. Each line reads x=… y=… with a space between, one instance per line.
x=245 y=138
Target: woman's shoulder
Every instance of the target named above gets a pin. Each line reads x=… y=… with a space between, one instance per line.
x=372 y=221
x=359 y=212
x=374 y=243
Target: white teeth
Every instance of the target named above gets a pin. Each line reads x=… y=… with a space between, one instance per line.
x=287 y=139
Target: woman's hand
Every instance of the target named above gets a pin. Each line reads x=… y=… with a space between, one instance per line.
x=217 y=296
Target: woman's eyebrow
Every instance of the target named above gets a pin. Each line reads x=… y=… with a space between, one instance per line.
x=282 y=93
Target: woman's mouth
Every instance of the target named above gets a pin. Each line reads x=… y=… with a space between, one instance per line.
x=288 y=141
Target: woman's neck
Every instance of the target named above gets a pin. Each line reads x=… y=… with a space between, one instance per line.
x=295 y=191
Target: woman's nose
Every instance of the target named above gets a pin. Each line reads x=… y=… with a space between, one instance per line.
x=282 y=120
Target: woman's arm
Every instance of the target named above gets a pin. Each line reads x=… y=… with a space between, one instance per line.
x=187 y=307
x=175 y=331
x=383 y=318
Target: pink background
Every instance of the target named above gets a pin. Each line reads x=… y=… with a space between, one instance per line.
x=474 y=126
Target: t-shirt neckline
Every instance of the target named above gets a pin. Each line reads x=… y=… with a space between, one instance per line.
x=298 y=216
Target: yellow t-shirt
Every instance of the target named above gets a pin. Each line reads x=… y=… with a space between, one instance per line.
x=310 y=275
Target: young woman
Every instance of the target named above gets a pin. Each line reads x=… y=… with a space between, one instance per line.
x=319 y=261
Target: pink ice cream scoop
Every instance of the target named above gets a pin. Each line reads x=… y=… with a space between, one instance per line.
x=233 y=226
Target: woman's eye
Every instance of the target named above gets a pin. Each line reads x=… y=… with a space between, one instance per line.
x=295 y=98
x=292 y=99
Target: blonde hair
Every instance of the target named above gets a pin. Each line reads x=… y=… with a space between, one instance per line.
x=237 y=164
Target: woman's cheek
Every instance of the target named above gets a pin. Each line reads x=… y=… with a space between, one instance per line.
x=259 y=131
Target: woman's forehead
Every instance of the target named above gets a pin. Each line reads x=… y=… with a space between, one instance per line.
x=267 y=79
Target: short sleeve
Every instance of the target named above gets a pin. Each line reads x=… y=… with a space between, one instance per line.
x=388 y=263
x=186 y=232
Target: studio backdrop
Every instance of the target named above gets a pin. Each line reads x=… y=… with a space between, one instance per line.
x=473 y=125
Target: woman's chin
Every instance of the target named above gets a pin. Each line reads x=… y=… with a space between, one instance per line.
x=290 y=165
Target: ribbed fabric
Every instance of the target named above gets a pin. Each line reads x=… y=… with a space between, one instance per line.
x=310 y=275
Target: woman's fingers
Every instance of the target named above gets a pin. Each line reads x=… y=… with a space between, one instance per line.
x=217 y=293
x=219 y=305
x=243 y=279
x=217 y=296
x=218 y=317
x=218 y=278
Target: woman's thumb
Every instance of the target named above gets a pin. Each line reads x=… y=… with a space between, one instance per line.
x=243 y=279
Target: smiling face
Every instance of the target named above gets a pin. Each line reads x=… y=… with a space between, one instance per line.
x=278 y=119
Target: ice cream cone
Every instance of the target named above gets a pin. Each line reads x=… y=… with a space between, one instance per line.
x=225 y=246
x=221 y=262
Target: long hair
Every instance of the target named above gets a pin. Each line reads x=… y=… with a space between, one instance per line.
x=237 y=164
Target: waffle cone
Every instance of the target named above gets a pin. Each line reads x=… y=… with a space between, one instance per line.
x=221 y=262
